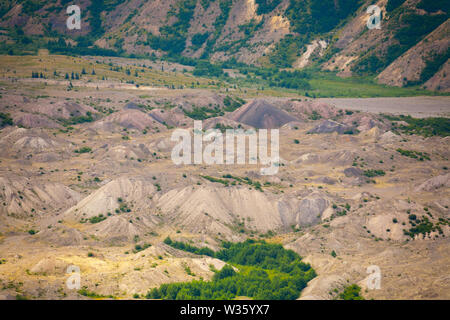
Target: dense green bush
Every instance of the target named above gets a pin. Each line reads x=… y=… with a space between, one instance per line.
x=266 y=6
x=422 y=126
x=78 y=119
x=435 y=5
x=187 y=247
x=352 y=292
x=199 y=38
x=5 y=120
x=231 y=104
x=393 y=4
x=266 y=271
x=83 y=150
x=205 y=68
x=203 y=113
x=416 y=27
x=319 y=16
x=433 y=64
x=414 y=154
x=374 y=173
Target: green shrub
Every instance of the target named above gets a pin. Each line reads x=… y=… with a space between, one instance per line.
x=352 y=292
x=83 y=150
x=5 y=120
x=393 y=4
x=374 y=173
x=414 y=154
x=255 y=260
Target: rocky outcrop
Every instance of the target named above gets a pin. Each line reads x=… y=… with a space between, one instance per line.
x=330 y=126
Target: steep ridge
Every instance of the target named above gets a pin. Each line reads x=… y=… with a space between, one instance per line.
x=210 y=209
x=129 y=119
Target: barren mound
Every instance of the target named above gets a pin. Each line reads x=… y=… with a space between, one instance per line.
x=123 y=194
x=261 y=114
x=22 y=198
x=311 y=110
x=130 y=119
x=330 y=126
x=122 y=228
x=63 y=110
x=34 y=143
x=172 y=117
x=435 y=183
x=29 y=120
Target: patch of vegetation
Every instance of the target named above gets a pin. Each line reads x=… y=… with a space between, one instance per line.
x=318 y=16
x=231 y=104
x=188 y=248
x=352 y=292
x=5 y=120
x=203 y=113
x=374 y=173
x=205 y=68
x=266 y=6
x=83 y=150
x=95 y=219
x=90 y=294
x=266 y=271
x=416 y=26
x=434 y=6
x=78 y=119
x=222 y=128
x=421 y=226
x=426 y=127
x=123 y=206
x=199 y=39
x=216 y=180
x=246 y=180
x=421 y=156
x=394 y=4
x=141 y=247
x=433 y=64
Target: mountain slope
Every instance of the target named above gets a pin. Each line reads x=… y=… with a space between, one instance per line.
x=331 y=34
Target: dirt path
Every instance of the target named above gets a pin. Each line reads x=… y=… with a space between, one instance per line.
x=419 y=107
